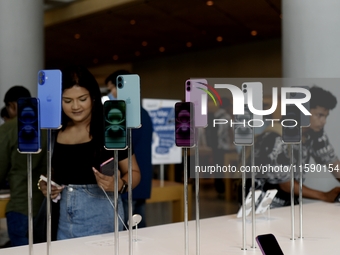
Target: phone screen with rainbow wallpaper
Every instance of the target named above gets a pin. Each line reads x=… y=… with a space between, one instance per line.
x=28 y=125
x=115 y=125
x=184 y=124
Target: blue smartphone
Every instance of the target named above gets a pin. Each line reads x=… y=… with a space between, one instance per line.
x=115 y=125
x=28 y=125
x=128 y=89
x=196 y=91
x=185 y=124
x=269 y=245
x=49 y=94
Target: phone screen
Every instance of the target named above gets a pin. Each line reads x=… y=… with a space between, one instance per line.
x=184 y=124
x=28 y=125
x=292 y=123
x=269 y=245
x=243 y=133
x=115 y=125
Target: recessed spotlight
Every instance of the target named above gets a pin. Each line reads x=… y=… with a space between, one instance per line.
x=95 y=61
x=132 y=22
x=137 y=53
x=219 y=38
x=189 y=44
x=77 y=36
x=115 y=57
x=144 y=43
x=210 y=3
x=161 y=49
x=253 y=33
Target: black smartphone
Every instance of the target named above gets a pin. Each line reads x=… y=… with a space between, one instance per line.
x=243 y=133
x=184 y=124
x=291 y=124
x=115 y=125
x=107 y=167
x=269 y=245
x=28 y=125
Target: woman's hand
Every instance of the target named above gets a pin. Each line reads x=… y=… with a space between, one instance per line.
x=42 y=185
x=105 y=181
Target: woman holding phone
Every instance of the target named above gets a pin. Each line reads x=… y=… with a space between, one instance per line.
x=78 y=152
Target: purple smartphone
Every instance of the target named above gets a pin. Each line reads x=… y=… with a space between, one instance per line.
x=196 y=91
x=184 y=124
x=269 y=245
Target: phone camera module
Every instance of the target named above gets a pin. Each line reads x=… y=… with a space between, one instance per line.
x=120 y=85
x=120 y=79
x=244 y=91
x=244 y=86
x=41 y=78
x=188 y=88
x=188 y=83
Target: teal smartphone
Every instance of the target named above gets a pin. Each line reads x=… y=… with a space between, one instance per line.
x=49 y=94
x=28 y=125
x=115 y=125
x=128 y=90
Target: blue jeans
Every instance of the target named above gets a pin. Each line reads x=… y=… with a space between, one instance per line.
x=17 y=227
x=85 y=211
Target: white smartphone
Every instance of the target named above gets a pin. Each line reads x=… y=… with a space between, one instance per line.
x=52 y=182
x=249 y=202
x=254 y=90
x=266 y=201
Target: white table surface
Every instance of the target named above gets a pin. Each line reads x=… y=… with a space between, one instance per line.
x=219 y=235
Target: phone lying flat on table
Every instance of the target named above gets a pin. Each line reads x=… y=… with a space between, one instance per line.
x=269 y=245
x=52 y=182
x=107 y=167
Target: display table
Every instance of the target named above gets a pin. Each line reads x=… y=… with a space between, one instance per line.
x=219 y=236
x=171 y=192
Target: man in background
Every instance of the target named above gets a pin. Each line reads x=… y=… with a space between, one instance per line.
x=13 y=167
x=141 y=144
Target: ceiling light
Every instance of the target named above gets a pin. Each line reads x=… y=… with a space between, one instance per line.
x=132 y=22
x=137 y=53
x=189 y=44
x=144 y=43
x=77 y=36
x=210 y=3
x=219 y=38
x=95 y=61
x=253 y=33
x=115 y=57
x=161 y=49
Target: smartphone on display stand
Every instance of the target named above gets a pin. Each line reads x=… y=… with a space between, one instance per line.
x=49 y=94
x=243 y=133
x=254 y=91
x=292 y=123
x=128 y=90
x=269 y=245
x=28 y=125
x=196 y=92
x=304 y=119
x=249 y=203
x=184 y=124
x=107 y=167
x=115 y=135
x=266 y=201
